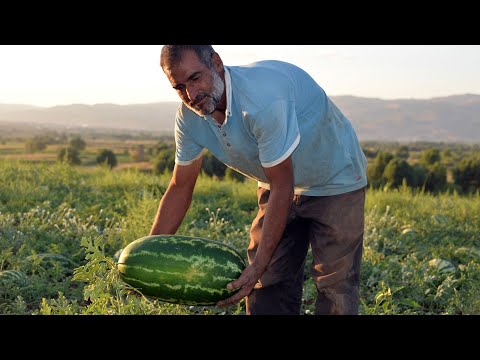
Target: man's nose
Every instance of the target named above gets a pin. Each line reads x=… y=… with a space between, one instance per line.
x=192 y=93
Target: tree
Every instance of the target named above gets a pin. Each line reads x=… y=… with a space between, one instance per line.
x=446 y=155
x=419 y=173
x=376 y=169
x=402 y=152
x=35 y=145
x=78 y=143
x=137 y=153
x=466 y=173
x=430 y=156
x=107 y=157
x=160 y=147
x=69 y=155
x=397 y=170
x=165 y=159
x=212 y=166
x=436 y=177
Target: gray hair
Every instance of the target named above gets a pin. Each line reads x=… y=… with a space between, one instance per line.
x=172 y=54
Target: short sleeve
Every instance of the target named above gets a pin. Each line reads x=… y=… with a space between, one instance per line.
x=275 y=129
x=187 y=150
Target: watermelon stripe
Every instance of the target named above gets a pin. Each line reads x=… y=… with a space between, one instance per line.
x=194 y=260
x=193 y=242
x=180 y=288
x=188 y=276
x=179 y=274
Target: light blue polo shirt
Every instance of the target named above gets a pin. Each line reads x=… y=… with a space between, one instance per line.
x=274 y=110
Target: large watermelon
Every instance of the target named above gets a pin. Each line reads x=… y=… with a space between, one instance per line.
x=180 y=269
x=13 y=276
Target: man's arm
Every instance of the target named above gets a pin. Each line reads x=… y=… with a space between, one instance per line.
x=281 y=182
x=177 y=199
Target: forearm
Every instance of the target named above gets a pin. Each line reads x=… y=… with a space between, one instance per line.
x=275 y=220
x=279 y=203
x=171 y=211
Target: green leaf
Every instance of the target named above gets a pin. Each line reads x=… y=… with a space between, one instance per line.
x=442 y=266
x=410 y=302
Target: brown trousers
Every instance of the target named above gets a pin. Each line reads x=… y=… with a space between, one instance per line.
x=333 y=226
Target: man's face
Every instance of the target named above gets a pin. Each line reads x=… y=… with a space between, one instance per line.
x=199 y=87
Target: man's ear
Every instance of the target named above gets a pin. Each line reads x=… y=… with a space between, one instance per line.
x=217 y=61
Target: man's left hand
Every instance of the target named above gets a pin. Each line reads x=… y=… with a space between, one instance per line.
x=245 y=283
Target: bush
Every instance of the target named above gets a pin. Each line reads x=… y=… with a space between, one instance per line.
x=107 y=157
x=234 y=175
x=164 y=160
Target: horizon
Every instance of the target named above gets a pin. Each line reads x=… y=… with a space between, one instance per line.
x=178 y=101
x=62 y=75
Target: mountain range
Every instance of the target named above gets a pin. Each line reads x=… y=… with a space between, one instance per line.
x=448 y=119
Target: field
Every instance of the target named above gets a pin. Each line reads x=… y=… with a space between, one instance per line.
x=15 y=150
x=60 y=227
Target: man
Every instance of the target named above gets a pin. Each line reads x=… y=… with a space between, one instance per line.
x=273 y=123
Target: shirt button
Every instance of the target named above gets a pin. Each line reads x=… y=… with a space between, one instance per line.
x=224 y=134
x=228 y=144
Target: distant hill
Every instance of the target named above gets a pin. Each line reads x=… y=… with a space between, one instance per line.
x=155 y=116
x=448 y=119
x=8 y=108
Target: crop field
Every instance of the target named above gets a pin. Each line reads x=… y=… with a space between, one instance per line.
x=15 y=150
x=60 y=227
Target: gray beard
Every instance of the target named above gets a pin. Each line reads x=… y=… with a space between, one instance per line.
x=213 y=99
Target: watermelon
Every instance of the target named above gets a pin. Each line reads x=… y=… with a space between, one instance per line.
x=48 y=256
x=13 y=276
x=180 y=269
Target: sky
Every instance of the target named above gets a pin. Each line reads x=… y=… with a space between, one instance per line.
x=49 y=75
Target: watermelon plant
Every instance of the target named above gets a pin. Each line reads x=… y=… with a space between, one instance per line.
x=61 y=226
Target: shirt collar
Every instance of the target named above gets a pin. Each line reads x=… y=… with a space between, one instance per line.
x=228 y=90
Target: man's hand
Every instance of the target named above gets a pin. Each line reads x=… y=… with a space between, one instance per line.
x=245 y=283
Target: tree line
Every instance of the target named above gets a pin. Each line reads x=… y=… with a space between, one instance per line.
x=425 y=166
x=428 y=172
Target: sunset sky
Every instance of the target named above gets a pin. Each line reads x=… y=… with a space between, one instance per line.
x=48 y=75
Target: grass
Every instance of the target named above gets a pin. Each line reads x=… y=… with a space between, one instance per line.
x=421 y=252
